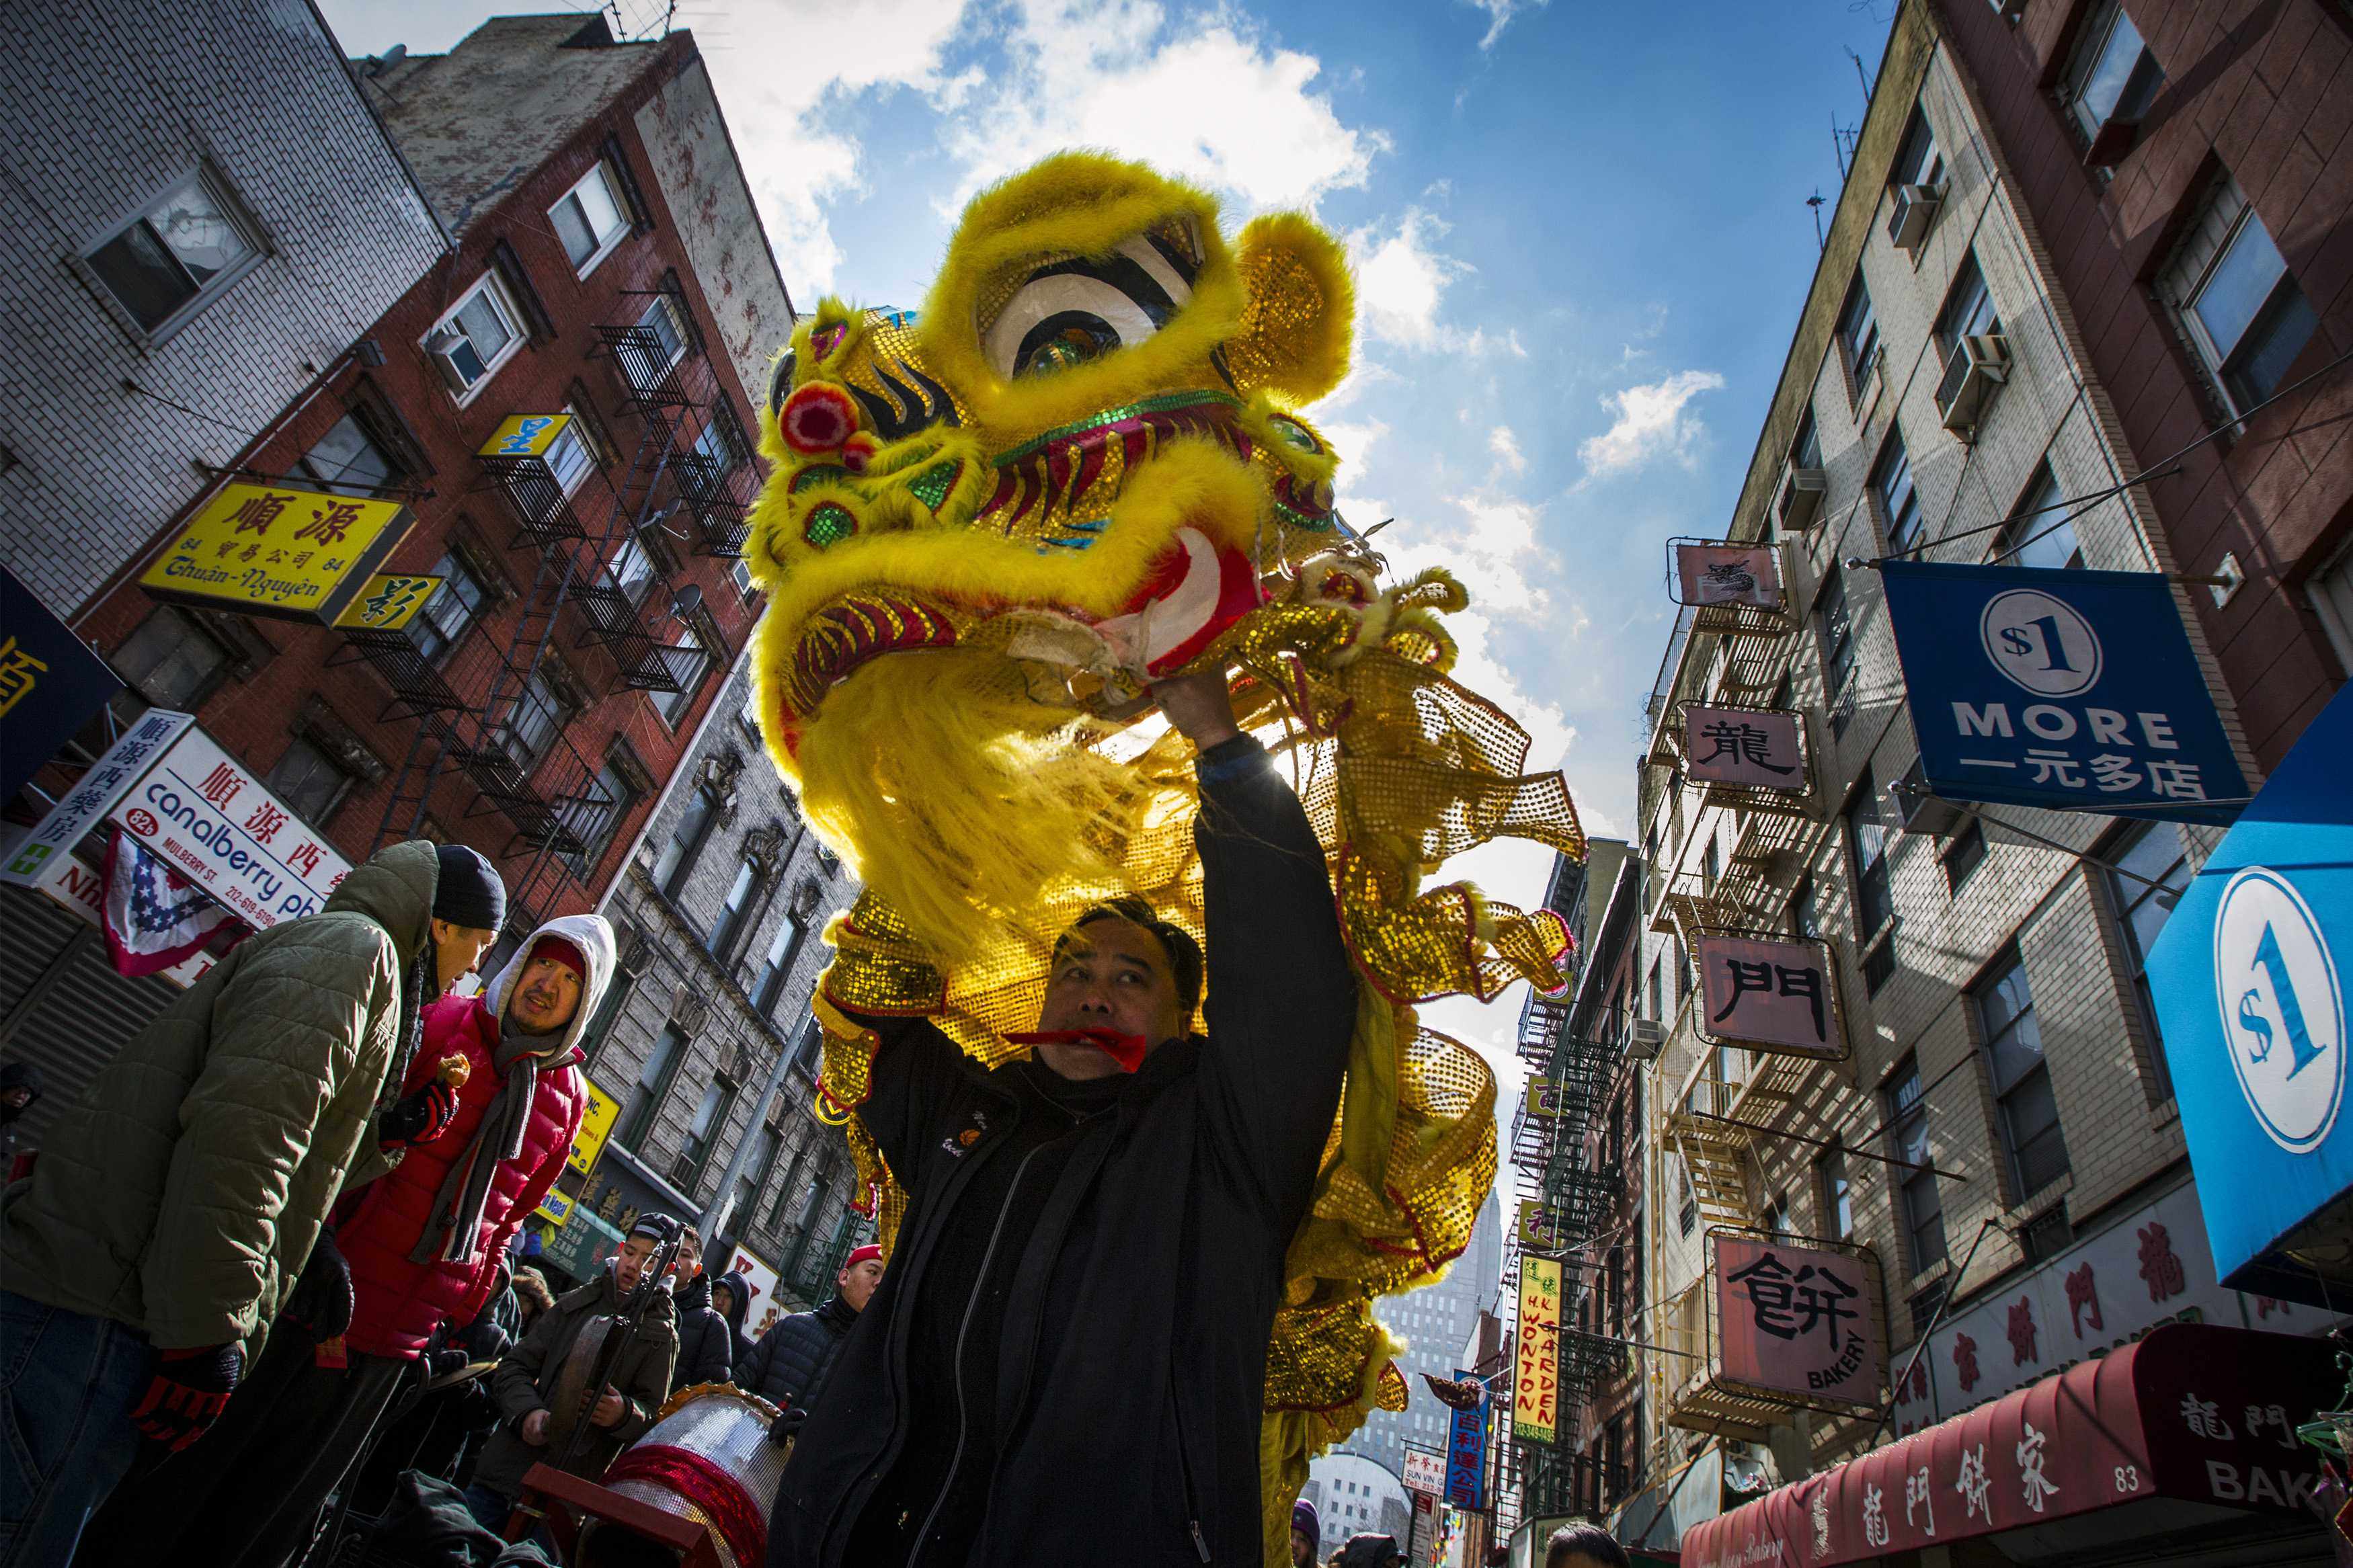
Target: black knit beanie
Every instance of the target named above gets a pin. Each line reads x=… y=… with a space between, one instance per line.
x=469 y=892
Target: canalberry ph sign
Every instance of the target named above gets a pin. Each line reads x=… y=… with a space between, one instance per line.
x=2066 y=689
x=2250 y=979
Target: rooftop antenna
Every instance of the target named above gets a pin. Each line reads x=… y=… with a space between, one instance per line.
x=1840 y=139
x=1860 y=77
x=1815 y=202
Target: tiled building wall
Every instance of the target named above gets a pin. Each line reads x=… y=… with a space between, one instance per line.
x=103 y=108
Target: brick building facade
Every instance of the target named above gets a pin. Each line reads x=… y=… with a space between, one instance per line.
x=605 y=263
x=710 y=1043
x=290 y=226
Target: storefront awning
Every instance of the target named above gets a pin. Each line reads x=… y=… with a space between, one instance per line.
x=2193 y=1413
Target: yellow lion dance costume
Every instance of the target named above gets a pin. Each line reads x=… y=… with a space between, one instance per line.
x=1080 y=469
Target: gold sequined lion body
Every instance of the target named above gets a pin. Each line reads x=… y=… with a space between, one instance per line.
x=1082 y=468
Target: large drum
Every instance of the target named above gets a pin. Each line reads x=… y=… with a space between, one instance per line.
x=707 y=1458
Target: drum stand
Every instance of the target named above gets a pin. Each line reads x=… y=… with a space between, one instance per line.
x=566 y=1504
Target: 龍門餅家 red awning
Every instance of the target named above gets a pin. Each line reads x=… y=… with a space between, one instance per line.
x=2192 y=1412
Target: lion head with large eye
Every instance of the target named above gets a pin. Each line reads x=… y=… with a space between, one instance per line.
x=990 y=527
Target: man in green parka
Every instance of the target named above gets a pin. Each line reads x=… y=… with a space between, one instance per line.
x=171 y=1213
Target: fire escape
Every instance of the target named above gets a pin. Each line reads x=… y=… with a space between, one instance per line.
x=488 y=711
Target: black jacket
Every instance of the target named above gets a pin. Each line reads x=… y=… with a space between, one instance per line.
x=739 y=1345
x=705 y=1347
x=790 y=1364
x=1132 y=1362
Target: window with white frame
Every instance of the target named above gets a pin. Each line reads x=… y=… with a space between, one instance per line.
x=1968 y=310
x=572 y=454
x=2237 y=301
x=2022 y=1079
x=349 y=461
x=590 y=220
x=2330 y=593
x=688 y=663
x=177 y=253
x=455 y=606
x=1917 y=160
x=661 y=319
x=1899 y=505
x=1922 y=1209
x=2146 y=875
x=1858 y=330
x=2114 y=76
x=2039 y=532
x=477 y=336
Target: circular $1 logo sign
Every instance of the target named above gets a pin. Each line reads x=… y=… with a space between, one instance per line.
x=2283 y=1008
x=2040 y=643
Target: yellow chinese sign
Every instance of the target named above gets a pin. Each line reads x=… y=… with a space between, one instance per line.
x=276 y=549
x=525 y=435
x=20 y=671
x=1535 y=1386
x=389 y=601
x=594 y=1126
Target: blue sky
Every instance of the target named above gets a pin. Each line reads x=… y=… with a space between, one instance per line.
x=1579 y=230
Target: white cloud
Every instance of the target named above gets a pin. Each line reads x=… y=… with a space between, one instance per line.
x=780 y=71
x=1401 y=280
x=1500 y=14
x=1651 y=424
x=1506 y=447
x=1208 y=100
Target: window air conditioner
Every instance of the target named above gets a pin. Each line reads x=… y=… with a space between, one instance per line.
x=1914 y=215
x=1649 y=1038
x=1917 y=811
x=1979 y=365
x=1800 y=499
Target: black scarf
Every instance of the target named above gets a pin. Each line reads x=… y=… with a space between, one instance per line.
x=457 y=1219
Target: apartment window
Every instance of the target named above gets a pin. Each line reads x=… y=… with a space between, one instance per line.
x=1805 y=910
x=1858 y=330
x=676 y=861
x=1710 y=867
x=1899 y=506
x=1917 y=160
x=1834 y=638
x=688 y=663
x=176 y=254
x=739 y=571
x=777 y=963
x=2114 y=76
x=2022 y=1079
x=1806 y=451
x=2244 y=311
x=572 y=452
x=348 y=461
x=660 y=320
x=633 y=570
x=1658 y=991
x=1775 y=1220
x=808 y=1045
x=1686 y=1200
x=1875 y=900
x=1907 y=1129
x=309 y=780
x=1925 y=1304
x=2039 y=532
x=730 y=921
x=2047 y=1235
x=1963 y=854
x=785 y=1190
x=531 y=725
x=171 y=661
x=1968 y=310
x=661 y=1064
x=589 y=219
x=721 y=443
x=702 y=1132
x=2153 y=854
x=766 y=1141
x=597 y=818
x=455 y=606
x=1836 y=1195
x=479 y=335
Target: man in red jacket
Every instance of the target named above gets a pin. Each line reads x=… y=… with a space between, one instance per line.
x=419 y=1246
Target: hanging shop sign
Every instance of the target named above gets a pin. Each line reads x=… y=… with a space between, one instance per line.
x=583 y=1243
x=1754 y=748
x=1466 y=1449
x=1728 y=575
x=1770 y=995
x=2250 y=979
x=388 y=601
x=208 y=817
x=2149 y=1267
x=1536 y=1378
x=1539 y=1232
x=594 y=1126
x=1425 y=1471
x=50 y=684
x=1797 y=1320
x=278 y=550
x=2066 y=689
x=94 y=794
x=525 y=435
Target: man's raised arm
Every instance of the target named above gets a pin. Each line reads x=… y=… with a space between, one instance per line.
x=1282 y=1001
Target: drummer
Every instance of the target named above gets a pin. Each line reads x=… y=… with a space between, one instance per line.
x=538 y=1385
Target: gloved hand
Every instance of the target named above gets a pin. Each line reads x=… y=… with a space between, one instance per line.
x=441 y=1363
x=187 y=1394
x=788 y=1424
x=420 y=1117
x=321 y=1302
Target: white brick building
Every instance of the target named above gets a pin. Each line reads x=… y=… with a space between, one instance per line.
x=204 y=216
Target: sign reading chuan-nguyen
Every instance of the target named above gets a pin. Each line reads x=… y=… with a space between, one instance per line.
x=1770 y=995
x=278 y=550
x=1797 y=1320
x=1757 y=748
